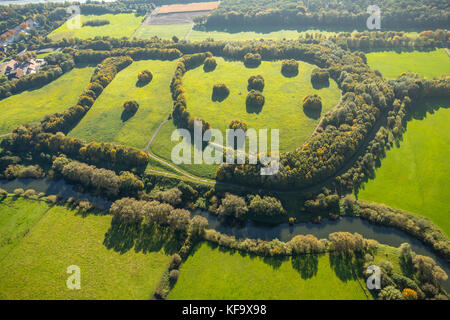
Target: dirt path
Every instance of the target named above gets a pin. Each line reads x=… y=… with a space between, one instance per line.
x=154 y=135
x=5 y=135
x=186 y=37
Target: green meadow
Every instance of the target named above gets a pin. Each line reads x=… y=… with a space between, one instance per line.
x=106 y=120
x=392 y=64
x=414 y=176
x=162 y=31
x=33 y=105
x=280 y=111
x=120 y=25
x=111 y=266
x=215 y=273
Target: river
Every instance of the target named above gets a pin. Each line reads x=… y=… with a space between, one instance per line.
x=284 y=232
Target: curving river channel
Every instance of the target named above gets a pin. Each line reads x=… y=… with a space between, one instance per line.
x=284 y=232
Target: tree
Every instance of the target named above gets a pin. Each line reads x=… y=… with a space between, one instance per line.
x=220 y=92
x=312 y=103
x=428 y=271
x=236 y=124
x=233 y=206
x=131 y=107
x=145 y=76
x=289 y=68
x=252 y=60
x=256 y=83
x=171 y=196
x=127 y=210
x=255 y=101
x=409 y=294
x=210 y=64
x=390 y=293
x=198 y=225
x=179 y=219
x=320 y=77
x=266 y=206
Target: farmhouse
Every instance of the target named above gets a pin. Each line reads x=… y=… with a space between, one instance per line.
x=18 y=69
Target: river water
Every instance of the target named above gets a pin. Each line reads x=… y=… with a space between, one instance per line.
x=284 y=232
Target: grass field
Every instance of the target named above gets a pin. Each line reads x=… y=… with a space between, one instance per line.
x=33 y=105
x=121 y=25
x=392 y=64
x=105 y=121
x=414 y=176
x=162 y=31
x=283 y=112
x=36 y=267
x=214 y=273
x=17 y=217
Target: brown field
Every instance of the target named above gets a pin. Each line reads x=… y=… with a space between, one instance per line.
x=196 y=6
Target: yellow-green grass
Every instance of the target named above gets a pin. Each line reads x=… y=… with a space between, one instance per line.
x=199 y=35
x=105 y=122
x=215 y=273
x=17 y=217
x=120 y=25
x=162 y=31
x=282 y=109
x=36 y=268
x=33 y=105
x=414 y=177
x=392 y=64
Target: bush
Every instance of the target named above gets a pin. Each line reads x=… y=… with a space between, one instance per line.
x=175 y=262
x=289 y=68
x=145 y=76
x=320 y=77
x=29 y=193
x=233 y=206
x=171 y=196
x=312 y=103
x=210 y=64
x=266 y=206
x=131 y=106
x=252 y=60
x=18 y=191
x=255 y=101
x=95 y=23
x=3 y=194
x=238 y=124
x=256 y=83
x=173 y=276
x=220 y=92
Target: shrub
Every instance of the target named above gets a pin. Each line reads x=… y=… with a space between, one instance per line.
x=238 y=124
x=131 y=106
x=52 y=199
x=210 y=64
x=252 y=60
x=320 y=76
x=390 y=293
x=86 y=101
x=234 y=206
x=145 y=76
x=173 y=276
x=266 y=206
x=312 y=103
x=289 y=68
x=3 y=194
x=175 y=262
x=255 y=101
x=18 y=191
x=220 y=92
x=409 y=294
x=198 y=225
x=29 y=193
x=256 y=83
x=171 y=196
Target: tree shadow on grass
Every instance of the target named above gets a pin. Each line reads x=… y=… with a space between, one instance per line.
x=320 y=85
x=313 y=114
x=342 y=264
x=123 y=237
x=306 y=265
x=126 y=115
x=141 y=84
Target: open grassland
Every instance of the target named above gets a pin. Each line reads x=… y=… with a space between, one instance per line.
x=392 y=64
x=282 y=109
x=283 y=99
x=414 y=176
x=214 y=273
x=33 y=105
x=162 y=31
x=17 y=217
x=111 y=268
x=120 y=25
x=106 y=121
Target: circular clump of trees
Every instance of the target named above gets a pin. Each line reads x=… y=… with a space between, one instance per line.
x=320 y=77
x=255 y=101
x=236 y=124
x=289 y=68
x=145 y=76
x=220 y=92
x=210 y=64
x=131 y=106
x=256 y=83
x=252 y=60
x=312 y=103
